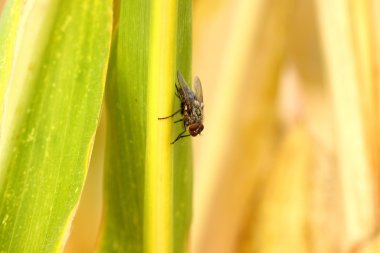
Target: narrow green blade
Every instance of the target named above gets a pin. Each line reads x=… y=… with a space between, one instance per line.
x=147 y=203
x=125 y=133
x=182 y=172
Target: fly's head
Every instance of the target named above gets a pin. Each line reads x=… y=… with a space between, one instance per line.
x=195 y=129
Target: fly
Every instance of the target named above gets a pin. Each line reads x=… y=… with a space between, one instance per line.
x=191 y=107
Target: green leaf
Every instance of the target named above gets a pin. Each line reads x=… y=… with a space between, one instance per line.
x=125 y=132
x=182 y=155
x=147 y=202
x=9 y=20
x=52 y=107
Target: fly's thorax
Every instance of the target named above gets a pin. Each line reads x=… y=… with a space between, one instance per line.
x=197 y=111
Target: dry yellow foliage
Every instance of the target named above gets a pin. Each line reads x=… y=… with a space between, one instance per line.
x=288 y=160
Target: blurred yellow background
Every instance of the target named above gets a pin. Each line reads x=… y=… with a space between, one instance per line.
x=289 y=158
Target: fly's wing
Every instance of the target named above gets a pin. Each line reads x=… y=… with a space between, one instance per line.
x=184 y=87
x=198 y=89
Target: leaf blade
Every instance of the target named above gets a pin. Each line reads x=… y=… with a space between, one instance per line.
x=50 y=139
x=140 y=89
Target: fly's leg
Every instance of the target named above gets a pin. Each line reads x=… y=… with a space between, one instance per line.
x=178 y=120
x=180 y=136
x=171 y=115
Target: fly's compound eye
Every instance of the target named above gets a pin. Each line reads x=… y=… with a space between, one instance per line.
x=195 y=129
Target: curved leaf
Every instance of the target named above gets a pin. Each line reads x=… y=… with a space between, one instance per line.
x=51 y=114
